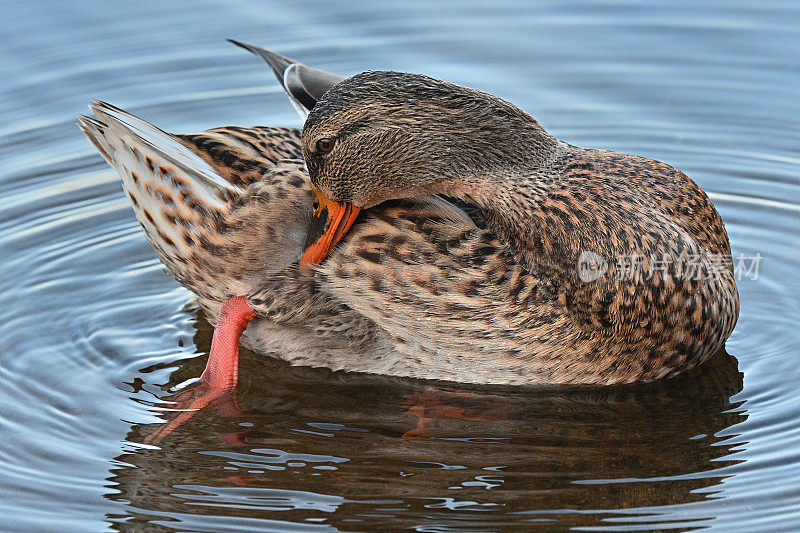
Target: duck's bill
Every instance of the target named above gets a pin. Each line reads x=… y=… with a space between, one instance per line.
x=329 y=223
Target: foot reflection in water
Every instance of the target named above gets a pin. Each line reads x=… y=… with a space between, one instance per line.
x=479 y=455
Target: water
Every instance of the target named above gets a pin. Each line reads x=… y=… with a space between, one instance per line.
x=93 y=332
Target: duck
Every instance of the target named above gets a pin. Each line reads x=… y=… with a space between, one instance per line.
x=422 y=229
x=607 y=267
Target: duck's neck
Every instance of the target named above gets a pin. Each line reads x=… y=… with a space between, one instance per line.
x=511 y=189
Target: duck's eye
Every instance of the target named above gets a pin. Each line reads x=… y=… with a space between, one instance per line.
x=325 y=145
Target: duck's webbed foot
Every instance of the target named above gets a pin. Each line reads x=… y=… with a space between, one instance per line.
x=217 y=385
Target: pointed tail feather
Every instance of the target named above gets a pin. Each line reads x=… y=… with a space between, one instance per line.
x=137 y=132
x=95 y=132
x=304 y=85
x=176 y=196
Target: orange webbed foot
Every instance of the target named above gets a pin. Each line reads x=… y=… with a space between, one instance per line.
x=217 y=385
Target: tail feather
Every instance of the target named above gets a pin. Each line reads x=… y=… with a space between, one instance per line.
x=304 y=85
x=137 y=132
x=95 y=132
x=176 y=195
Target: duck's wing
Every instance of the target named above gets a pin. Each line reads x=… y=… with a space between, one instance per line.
x=241 y=155
x=304 y=85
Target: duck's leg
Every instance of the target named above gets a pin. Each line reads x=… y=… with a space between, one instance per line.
x=222 y=370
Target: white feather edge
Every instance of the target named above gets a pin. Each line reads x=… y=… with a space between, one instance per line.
x=300 y=108
x=125 y=125
x=116 y=133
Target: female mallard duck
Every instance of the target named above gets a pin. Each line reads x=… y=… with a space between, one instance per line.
x=571 y=267
x=660 y=299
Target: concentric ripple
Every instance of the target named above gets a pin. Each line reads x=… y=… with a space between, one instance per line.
x=94 y=334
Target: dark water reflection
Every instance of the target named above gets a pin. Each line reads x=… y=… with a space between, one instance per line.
x=94 y=335
x=315 y=445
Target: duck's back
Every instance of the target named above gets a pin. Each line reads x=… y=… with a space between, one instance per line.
x=613 y=187
x=645 y=259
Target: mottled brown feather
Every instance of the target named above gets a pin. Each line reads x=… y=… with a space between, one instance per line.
x=417 y=289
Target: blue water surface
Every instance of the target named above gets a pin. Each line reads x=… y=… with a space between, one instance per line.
x=94 y=333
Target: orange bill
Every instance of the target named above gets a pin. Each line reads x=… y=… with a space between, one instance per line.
x=329 y=224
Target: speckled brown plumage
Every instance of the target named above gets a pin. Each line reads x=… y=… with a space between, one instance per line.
x=244 y=235
x=247 y=239
x=418 y=288
x=548 y=203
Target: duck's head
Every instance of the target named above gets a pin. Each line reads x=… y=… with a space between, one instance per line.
x=383 y=135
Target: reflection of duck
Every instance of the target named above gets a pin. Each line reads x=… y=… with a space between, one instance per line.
x=313 y=436
x=419 y=288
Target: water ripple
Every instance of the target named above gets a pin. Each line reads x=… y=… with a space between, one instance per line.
x=94 y=331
